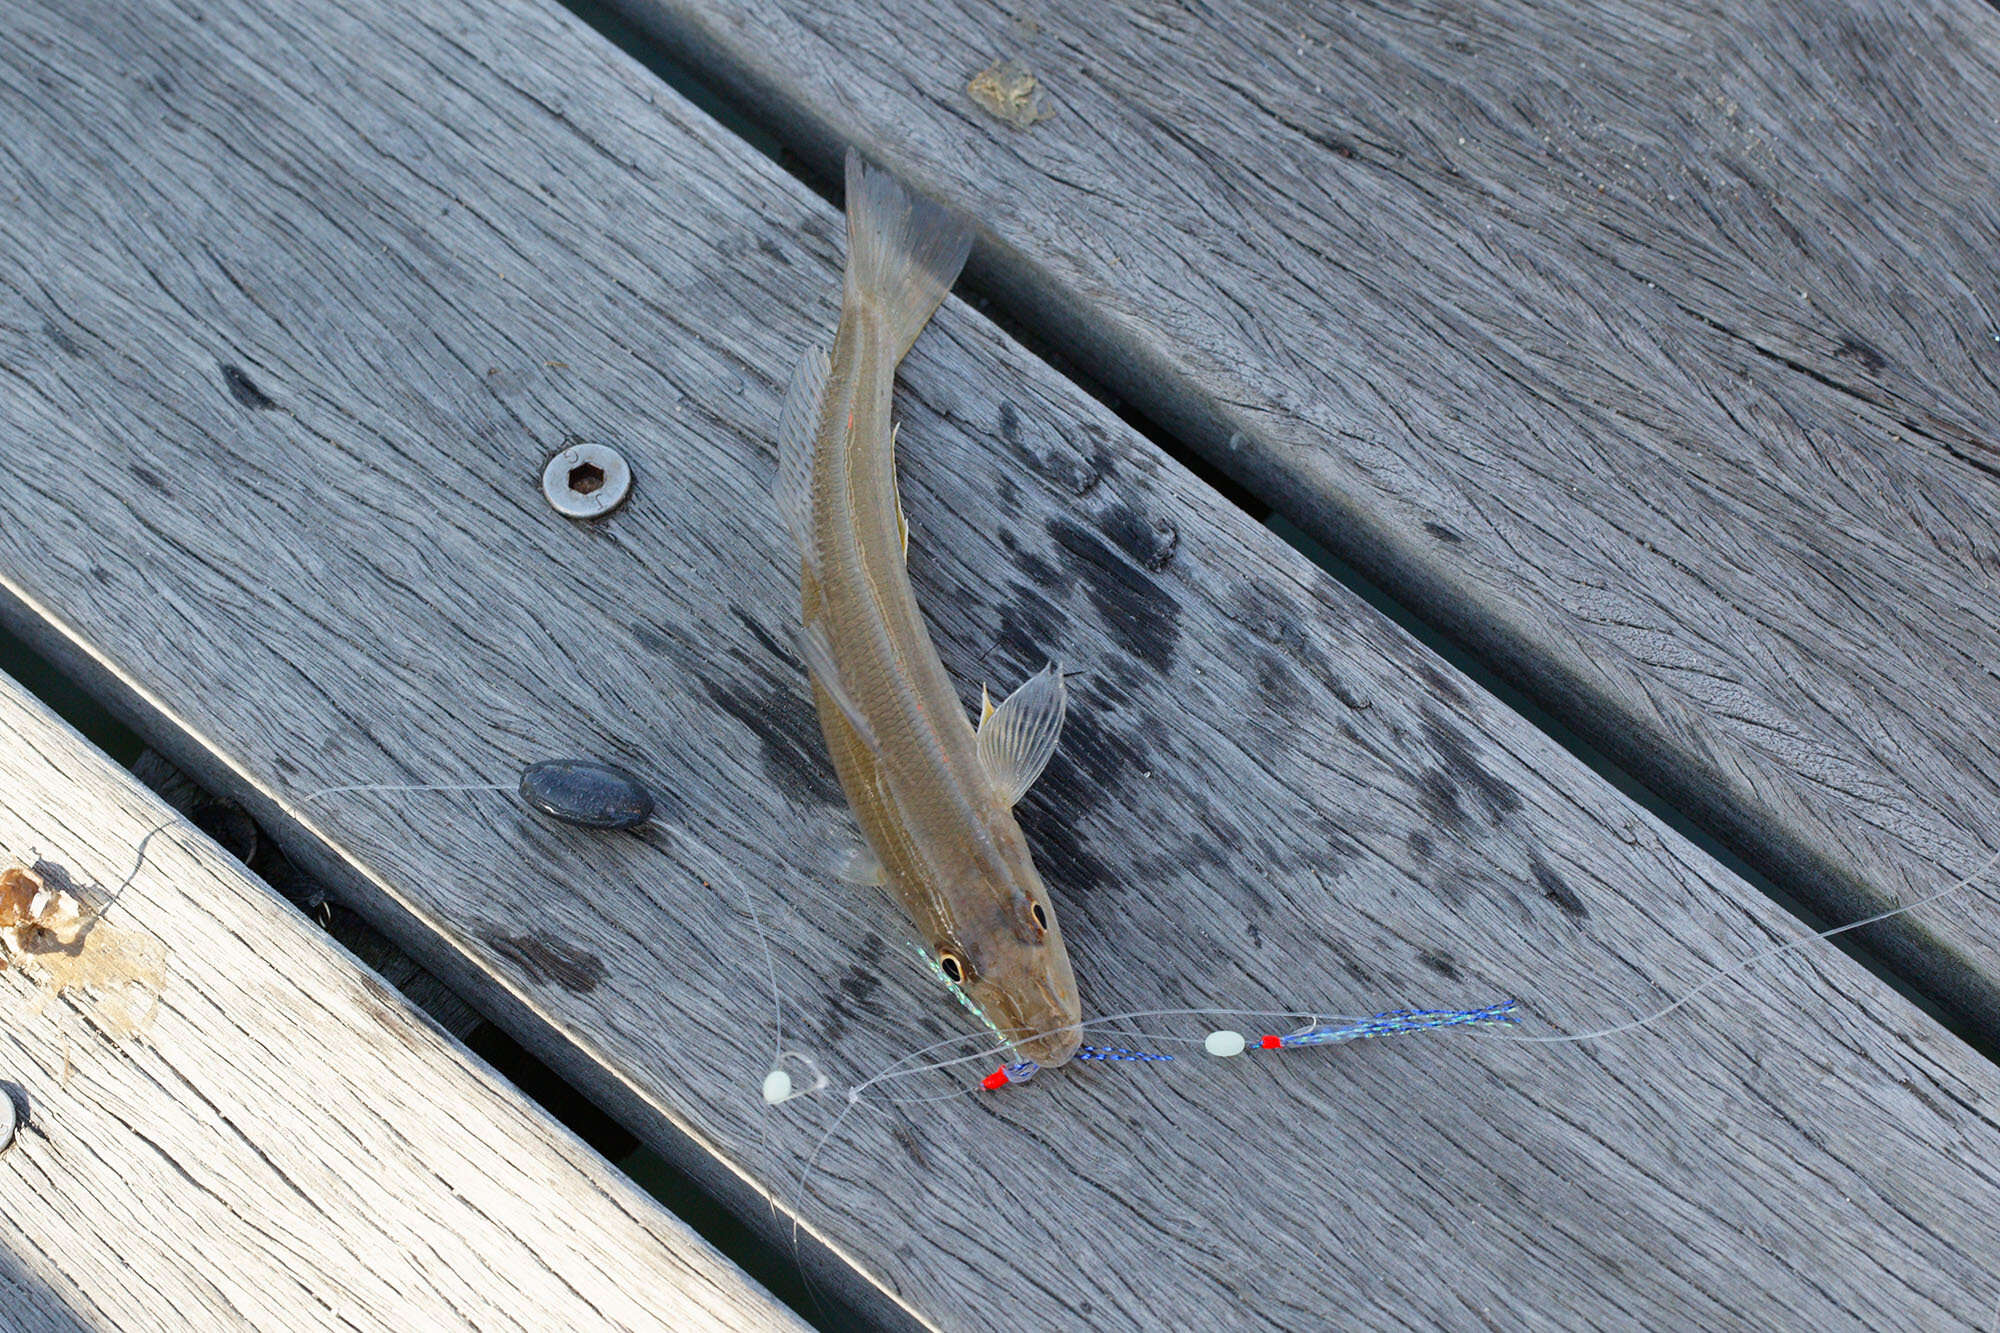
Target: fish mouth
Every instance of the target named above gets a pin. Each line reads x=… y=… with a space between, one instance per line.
x=1050 y=1049
x=1032 y=1004
x=1051 y=1026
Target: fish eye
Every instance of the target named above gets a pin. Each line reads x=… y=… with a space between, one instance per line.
x=951 y=967
x=1041 y=917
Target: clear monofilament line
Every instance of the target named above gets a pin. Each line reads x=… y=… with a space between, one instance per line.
x=1744 y=965
x=402 y=787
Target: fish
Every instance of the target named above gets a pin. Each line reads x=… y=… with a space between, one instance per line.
x=932 y=791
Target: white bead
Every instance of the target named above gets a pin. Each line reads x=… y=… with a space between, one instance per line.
x=777 y=1087
x=1224 y=1043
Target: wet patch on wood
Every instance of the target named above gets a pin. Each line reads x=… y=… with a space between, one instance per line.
x=543 y=959
x=1140 y=615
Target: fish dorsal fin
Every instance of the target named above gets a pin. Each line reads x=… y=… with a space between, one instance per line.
x=1017 y=738
x=817 y=649
x=798 y=421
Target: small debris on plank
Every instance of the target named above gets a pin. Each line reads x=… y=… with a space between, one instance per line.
x=51 y=935
x=1009 y=90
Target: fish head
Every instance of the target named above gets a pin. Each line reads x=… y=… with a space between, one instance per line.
x=1012 y=965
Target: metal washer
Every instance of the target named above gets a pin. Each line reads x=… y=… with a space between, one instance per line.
x=614 y=480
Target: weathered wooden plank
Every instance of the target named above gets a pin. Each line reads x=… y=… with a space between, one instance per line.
x=308 y=293
x=232 y=827
x=1650 y=349
x=286 y=1144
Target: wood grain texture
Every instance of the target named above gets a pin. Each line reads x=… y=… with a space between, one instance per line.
x=234 y=831
x=1650 y=349
x=294 y=302
x=288 y=1145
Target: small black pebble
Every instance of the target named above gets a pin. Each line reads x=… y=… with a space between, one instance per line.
x=586 y=793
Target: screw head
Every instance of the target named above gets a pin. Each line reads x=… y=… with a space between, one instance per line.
x=586 y=480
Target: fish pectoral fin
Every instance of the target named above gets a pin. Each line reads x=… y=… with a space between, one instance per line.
x=985 y=706
x=1017 y=738
x=798 y=422
x=817 y=650
x=862 y=866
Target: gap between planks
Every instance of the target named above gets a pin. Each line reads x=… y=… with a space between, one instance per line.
x=286 y=1143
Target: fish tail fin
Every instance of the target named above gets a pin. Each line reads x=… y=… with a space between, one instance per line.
x=903 y=251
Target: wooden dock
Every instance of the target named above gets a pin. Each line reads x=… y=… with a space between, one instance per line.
x=1647 y=352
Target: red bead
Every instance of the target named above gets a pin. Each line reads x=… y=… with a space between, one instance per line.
x=994 y=1081
x=1272 y=1043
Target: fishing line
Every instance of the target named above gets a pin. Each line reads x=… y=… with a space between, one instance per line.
x=1744 y=965
x=596 y=795
x=600 y=796
x=385 y=786
x=1317 y=1031
x=591 y=794
x=1224 y=1043
x=587 y=793
x=139 y=860
x=779 y=1085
